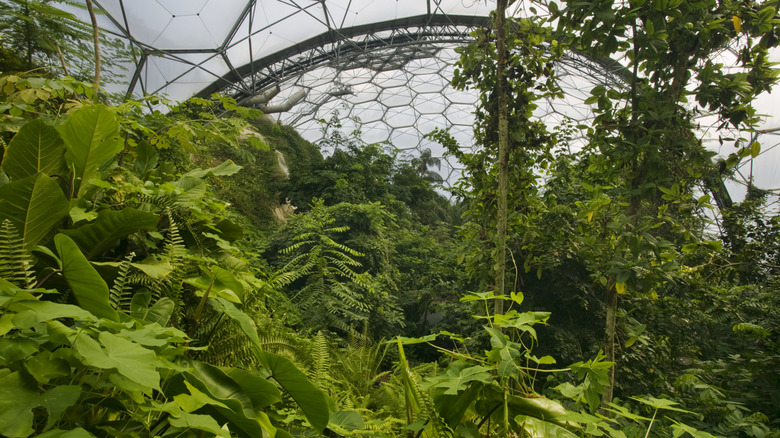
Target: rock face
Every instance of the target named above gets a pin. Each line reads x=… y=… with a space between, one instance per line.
x=284 y=211
x=282 y=164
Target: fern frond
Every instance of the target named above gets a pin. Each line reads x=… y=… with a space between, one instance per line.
x=142 y=280
x=230 y=262
x=333 y=244
x=229 y=351
x=357 y=340
x=155 y=202
x=386 y=426
x=334 y=255
x=346 y=403
x=345 y=295
x=294 y=246
x=15 y=262
x=428 y=411
x=298 y=267
x=119 y=295
x=321 y=359
x=283 y=278
x=174 y=244
x=336 y=321
x=285 y=344
x=344 y=270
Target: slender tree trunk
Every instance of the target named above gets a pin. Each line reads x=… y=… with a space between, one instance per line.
x=610 y=328
x=28 y=36
x=62 y=61
x=96 y=43
x=503 y=153
x=609 y=343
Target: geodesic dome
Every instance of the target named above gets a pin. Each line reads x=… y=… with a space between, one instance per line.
x=383 y=64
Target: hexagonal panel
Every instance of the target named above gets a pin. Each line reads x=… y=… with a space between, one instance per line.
x=392 y=71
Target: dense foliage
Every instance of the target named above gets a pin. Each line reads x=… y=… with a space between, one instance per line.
x=202 y=271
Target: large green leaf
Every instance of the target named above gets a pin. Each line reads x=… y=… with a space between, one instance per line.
x=34 y=205
x=262 y=392
x=453 y=407
x=111 y=226
x=91 y=137
x=659 y=403
x=455 y=380
x=20 y=396
x=45 y=366
x=310 y=399
x=146 y=158
x=89 y=289
x=537 y=407
x=218 y=385
x=13 y=349
x=200 y=422
x=494 y=399
x=221 y=283
x=155 y=335
x=679 y=429
x=130 y=359
x=535 y=428
x=227 y=168
x=32 y=312
x=345 y=421
x=195 y=400
x=247 y=324
x=37 y=147
x=153 y=267
x=237 y=401
x=59 y=433
x=160 y=312
x=505 y=353
x=187 y=420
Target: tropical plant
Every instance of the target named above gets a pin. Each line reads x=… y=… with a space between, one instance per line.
x=495 y=393
x=329 y=269
x=40 y=34
x=643 y=138
x=112 y=343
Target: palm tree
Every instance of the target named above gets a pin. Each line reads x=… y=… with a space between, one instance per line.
x=425 y=162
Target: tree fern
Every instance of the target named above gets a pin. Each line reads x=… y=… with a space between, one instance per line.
x=15 y=263
x=333 y=285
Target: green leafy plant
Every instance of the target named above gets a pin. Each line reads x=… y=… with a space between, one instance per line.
x=107 y=360
x=328 y=267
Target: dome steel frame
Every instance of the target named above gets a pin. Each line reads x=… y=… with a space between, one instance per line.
x=389 y=69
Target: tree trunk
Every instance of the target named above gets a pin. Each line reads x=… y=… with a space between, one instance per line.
x=503 y=153
x=96 y=43
x=28 y=30
x=609 y=343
